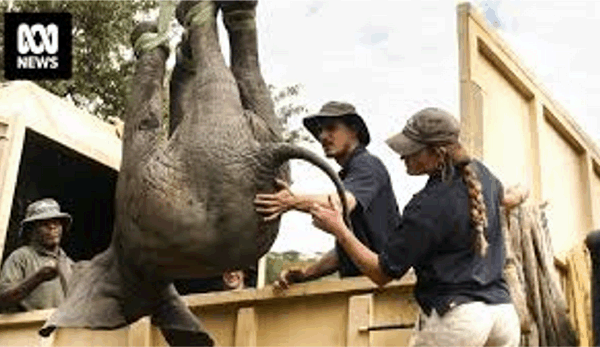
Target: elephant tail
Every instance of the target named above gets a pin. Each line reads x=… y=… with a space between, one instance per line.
x=277 y=154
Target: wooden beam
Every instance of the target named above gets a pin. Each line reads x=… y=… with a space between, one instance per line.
x=246 y=327
x=247 y=297
x=359 y=316
x=139 y=333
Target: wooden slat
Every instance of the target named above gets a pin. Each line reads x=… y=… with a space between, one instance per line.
x=249 y=297
x=140 y=333
x=359 y=315
x=246 y=327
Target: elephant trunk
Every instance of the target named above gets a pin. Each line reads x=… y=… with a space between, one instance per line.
x=277 y=154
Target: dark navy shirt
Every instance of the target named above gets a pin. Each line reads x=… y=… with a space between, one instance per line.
x=436 y=238
x=376 y=213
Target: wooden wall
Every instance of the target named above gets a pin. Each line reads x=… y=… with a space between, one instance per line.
x=350 y=312
x=512 y=123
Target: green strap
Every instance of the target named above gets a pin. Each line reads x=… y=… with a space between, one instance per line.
x=165 y=14
x=200 y=13
x=148 y=41
x=239 y=20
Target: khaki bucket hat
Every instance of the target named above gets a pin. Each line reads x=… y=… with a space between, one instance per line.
x=338 y=110
x=44 y=209
x=428 y=127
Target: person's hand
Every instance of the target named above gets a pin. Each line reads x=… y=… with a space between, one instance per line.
x=287 y=277
x=272 y=206
x=49 y=271
x=327 y=217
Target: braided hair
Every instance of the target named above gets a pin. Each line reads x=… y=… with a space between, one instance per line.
x=454 y=154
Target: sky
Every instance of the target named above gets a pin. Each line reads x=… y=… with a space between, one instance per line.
x=393 y=58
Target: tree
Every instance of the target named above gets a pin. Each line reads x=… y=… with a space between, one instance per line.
x=287 y=109
x=102 y=55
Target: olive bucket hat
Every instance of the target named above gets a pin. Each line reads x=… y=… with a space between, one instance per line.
x=428 y=127
x=338 y=110
x=43 y=209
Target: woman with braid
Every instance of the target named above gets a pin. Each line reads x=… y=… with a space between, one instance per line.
x=450 y=234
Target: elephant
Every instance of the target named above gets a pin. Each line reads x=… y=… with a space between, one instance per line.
x=184 y=197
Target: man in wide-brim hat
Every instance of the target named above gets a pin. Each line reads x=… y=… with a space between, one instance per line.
x=344 y=136
x=35 y=275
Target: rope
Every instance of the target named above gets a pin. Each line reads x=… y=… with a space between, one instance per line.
x=148 y=41
x=200 y=13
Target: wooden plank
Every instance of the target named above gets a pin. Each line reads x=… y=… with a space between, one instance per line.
x=579 y=283
x=47 y=341
x=261 y=277
x=471 y=98
x=140 y=333
x=398 y=312
x=248 y=297
x=246 y=327
x=509 y=58
x=37 y=316
x=359 y=315
x=68 y=337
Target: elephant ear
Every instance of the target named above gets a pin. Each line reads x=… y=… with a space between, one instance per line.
x=262 y=131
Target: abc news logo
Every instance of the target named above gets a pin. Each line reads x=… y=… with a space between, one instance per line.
x=37 y=46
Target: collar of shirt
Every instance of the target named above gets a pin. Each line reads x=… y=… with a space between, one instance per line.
x=437 y=176
x=43 y=251
x=358 y=150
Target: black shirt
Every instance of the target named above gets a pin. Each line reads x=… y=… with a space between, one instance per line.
x=376 y=213
x=435 y=237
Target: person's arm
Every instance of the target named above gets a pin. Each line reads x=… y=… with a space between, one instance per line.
x=329 y=219
x=22 y=289
x=326 y=265
x=272 y=206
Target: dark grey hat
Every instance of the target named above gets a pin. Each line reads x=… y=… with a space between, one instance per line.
x=429 y=127
x=338 y=110
x=44 y=209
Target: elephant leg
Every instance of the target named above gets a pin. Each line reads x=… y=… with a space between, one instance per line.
x=240 y=21
x=213 y=90
x=181 y=78
x=143 y=116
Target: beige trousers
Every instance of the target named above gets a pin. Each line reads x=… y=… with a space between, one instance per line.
x=470 y=324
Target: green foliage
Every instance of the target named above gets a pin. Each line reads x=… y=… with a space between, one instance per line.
x=277 y=262
x=288 y=110
x=102 y=58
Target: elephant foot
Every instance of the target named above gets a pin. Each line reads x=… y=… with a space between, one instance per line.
x=239 y=15
x=195 y=12
x=145 y=38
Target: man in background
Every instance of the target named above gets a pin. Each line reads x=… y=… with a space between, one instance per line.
x=35 y=275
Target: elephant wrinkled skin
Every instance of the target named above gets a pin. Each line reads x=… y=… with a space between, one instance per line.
x=184 y=201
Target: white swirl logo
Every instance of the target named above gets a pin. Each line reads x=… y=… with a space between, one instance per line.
x=26 y=39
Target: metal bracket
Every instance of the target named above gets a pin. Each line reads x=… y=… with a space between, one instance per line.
x=386 y=327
